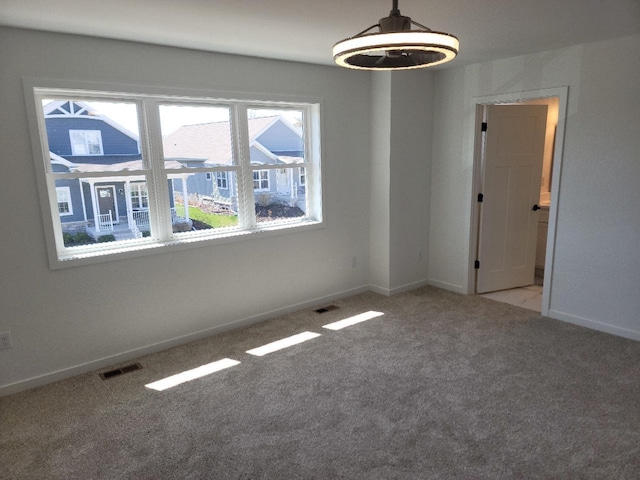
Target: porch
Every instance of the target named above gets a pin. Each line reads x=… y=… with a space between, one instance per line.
x=134 y=226
x=120 y=231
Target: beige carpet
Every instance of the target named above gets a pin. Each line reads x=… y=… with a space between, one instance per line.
x=441 y=386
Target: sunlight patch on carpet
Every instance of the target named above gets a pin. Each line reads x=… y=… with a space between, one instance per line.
x=347 y=322
x=284 y=343
x=192 y=374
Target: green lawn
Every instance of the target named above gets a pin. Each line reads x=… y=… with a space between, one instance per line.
x=216 y=220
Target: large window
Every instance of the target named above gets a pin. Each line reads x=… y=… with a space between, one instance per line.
x=139 y=196
x=86 y=142
x=222 y=180
x=161 y=196
x=64 y=201
x=261 y=180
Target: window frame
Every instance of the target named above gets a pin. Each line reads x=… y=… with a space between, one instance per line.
x=302 y=175
x=260 y=180
x=148 y=99
x=135 y=192
x=86 y=143
x=68 y=201
x=222 y=177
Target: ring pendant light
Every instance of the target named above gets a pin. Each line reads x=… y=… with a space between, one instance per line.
x=396 y=46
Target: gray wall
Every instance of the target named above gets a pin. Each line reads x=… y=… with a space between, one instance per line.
x=597 y=260
x=82 y=317
x=401 y=130
x=391 y=190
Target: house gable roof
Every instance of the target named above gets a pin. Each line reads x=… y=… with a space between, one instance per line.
x=121 y=166
x=58 y=160
x=213 y=140
x=78 y=109
x=280 y=136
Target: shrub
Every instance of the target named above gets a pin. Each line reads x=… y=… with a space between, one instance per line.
x=106 y=238
x=67 y=238
x=74 y=239
x=82 y=238
x=146 y=233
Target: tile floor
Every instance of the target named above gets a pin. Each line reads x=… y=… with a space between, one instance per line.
x=527 y=297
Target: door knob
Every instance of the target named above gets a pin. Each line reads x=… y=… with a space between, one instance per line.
x=535 y=207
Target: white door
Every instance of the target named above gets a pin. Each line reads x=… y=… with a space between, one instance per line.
x=513 y=152
x=282 y=181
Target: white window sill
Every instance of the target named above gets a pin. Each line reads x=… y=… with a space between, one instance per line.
x=138 y=248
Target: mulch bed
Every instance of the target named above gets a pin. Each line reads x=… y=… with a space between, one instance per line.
x=277 y=210
x=263 y=213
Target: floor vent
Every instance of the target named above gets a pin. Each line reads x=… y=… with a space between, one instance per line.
x=120 y=371
x=327 y=309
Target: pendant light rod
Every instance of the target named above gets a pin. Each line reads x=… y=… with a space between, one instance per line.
x=392 y=21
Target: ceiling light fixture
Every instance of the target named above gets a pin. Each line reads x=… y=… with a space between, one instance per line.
x=395 y=46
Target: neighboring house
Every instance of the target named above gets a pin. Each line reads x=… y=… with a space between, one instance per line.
x=273 y=141
x=81 y=140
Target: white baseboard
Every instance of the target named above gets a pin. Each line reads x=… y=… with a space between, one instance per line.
x=174 y=342
x=402 y=288
x=157 y=347
x=381 y=290
x=447 y=286
x=595 y=325
x=409 y=286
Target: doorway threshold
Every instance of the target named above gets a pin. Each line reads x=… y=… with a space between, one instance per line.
x=529 y=297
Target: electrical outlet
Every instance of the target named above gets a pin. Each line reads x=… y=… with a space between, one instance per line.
x=5 y=340
x=354 y=262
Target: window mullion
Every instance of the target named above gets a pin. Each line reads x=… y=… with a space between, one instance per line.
x=53 y=206
x=157 y=181
x=246 y=206
x=313 y=181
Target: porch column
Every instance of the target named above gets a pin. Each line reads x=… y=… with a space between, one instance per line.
x=127 y=195
x=84 y=204
x=185 y=198
x=94 y=204
x=292 y=185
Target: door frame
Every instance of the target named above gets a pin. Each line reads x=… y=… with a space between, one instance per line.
x=475 y=138
x=115 y=201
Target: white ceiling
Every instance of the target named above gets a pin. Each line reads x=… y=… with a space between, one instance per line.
x=304 y=30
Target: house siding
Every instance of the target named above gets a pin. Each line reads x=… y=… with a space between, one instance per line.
x=258 y=157
x=114 y=142
x=86 y=191
x=197 y=183
x=76 y=200
x=280 y=138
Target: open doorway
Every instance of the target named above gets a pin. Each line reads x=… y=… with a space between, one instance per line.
x=513 y=230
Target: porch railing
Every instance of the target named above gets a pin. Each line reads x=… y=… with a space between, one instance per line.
x=105 y=222
x=135 y=230
x=141 y=218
